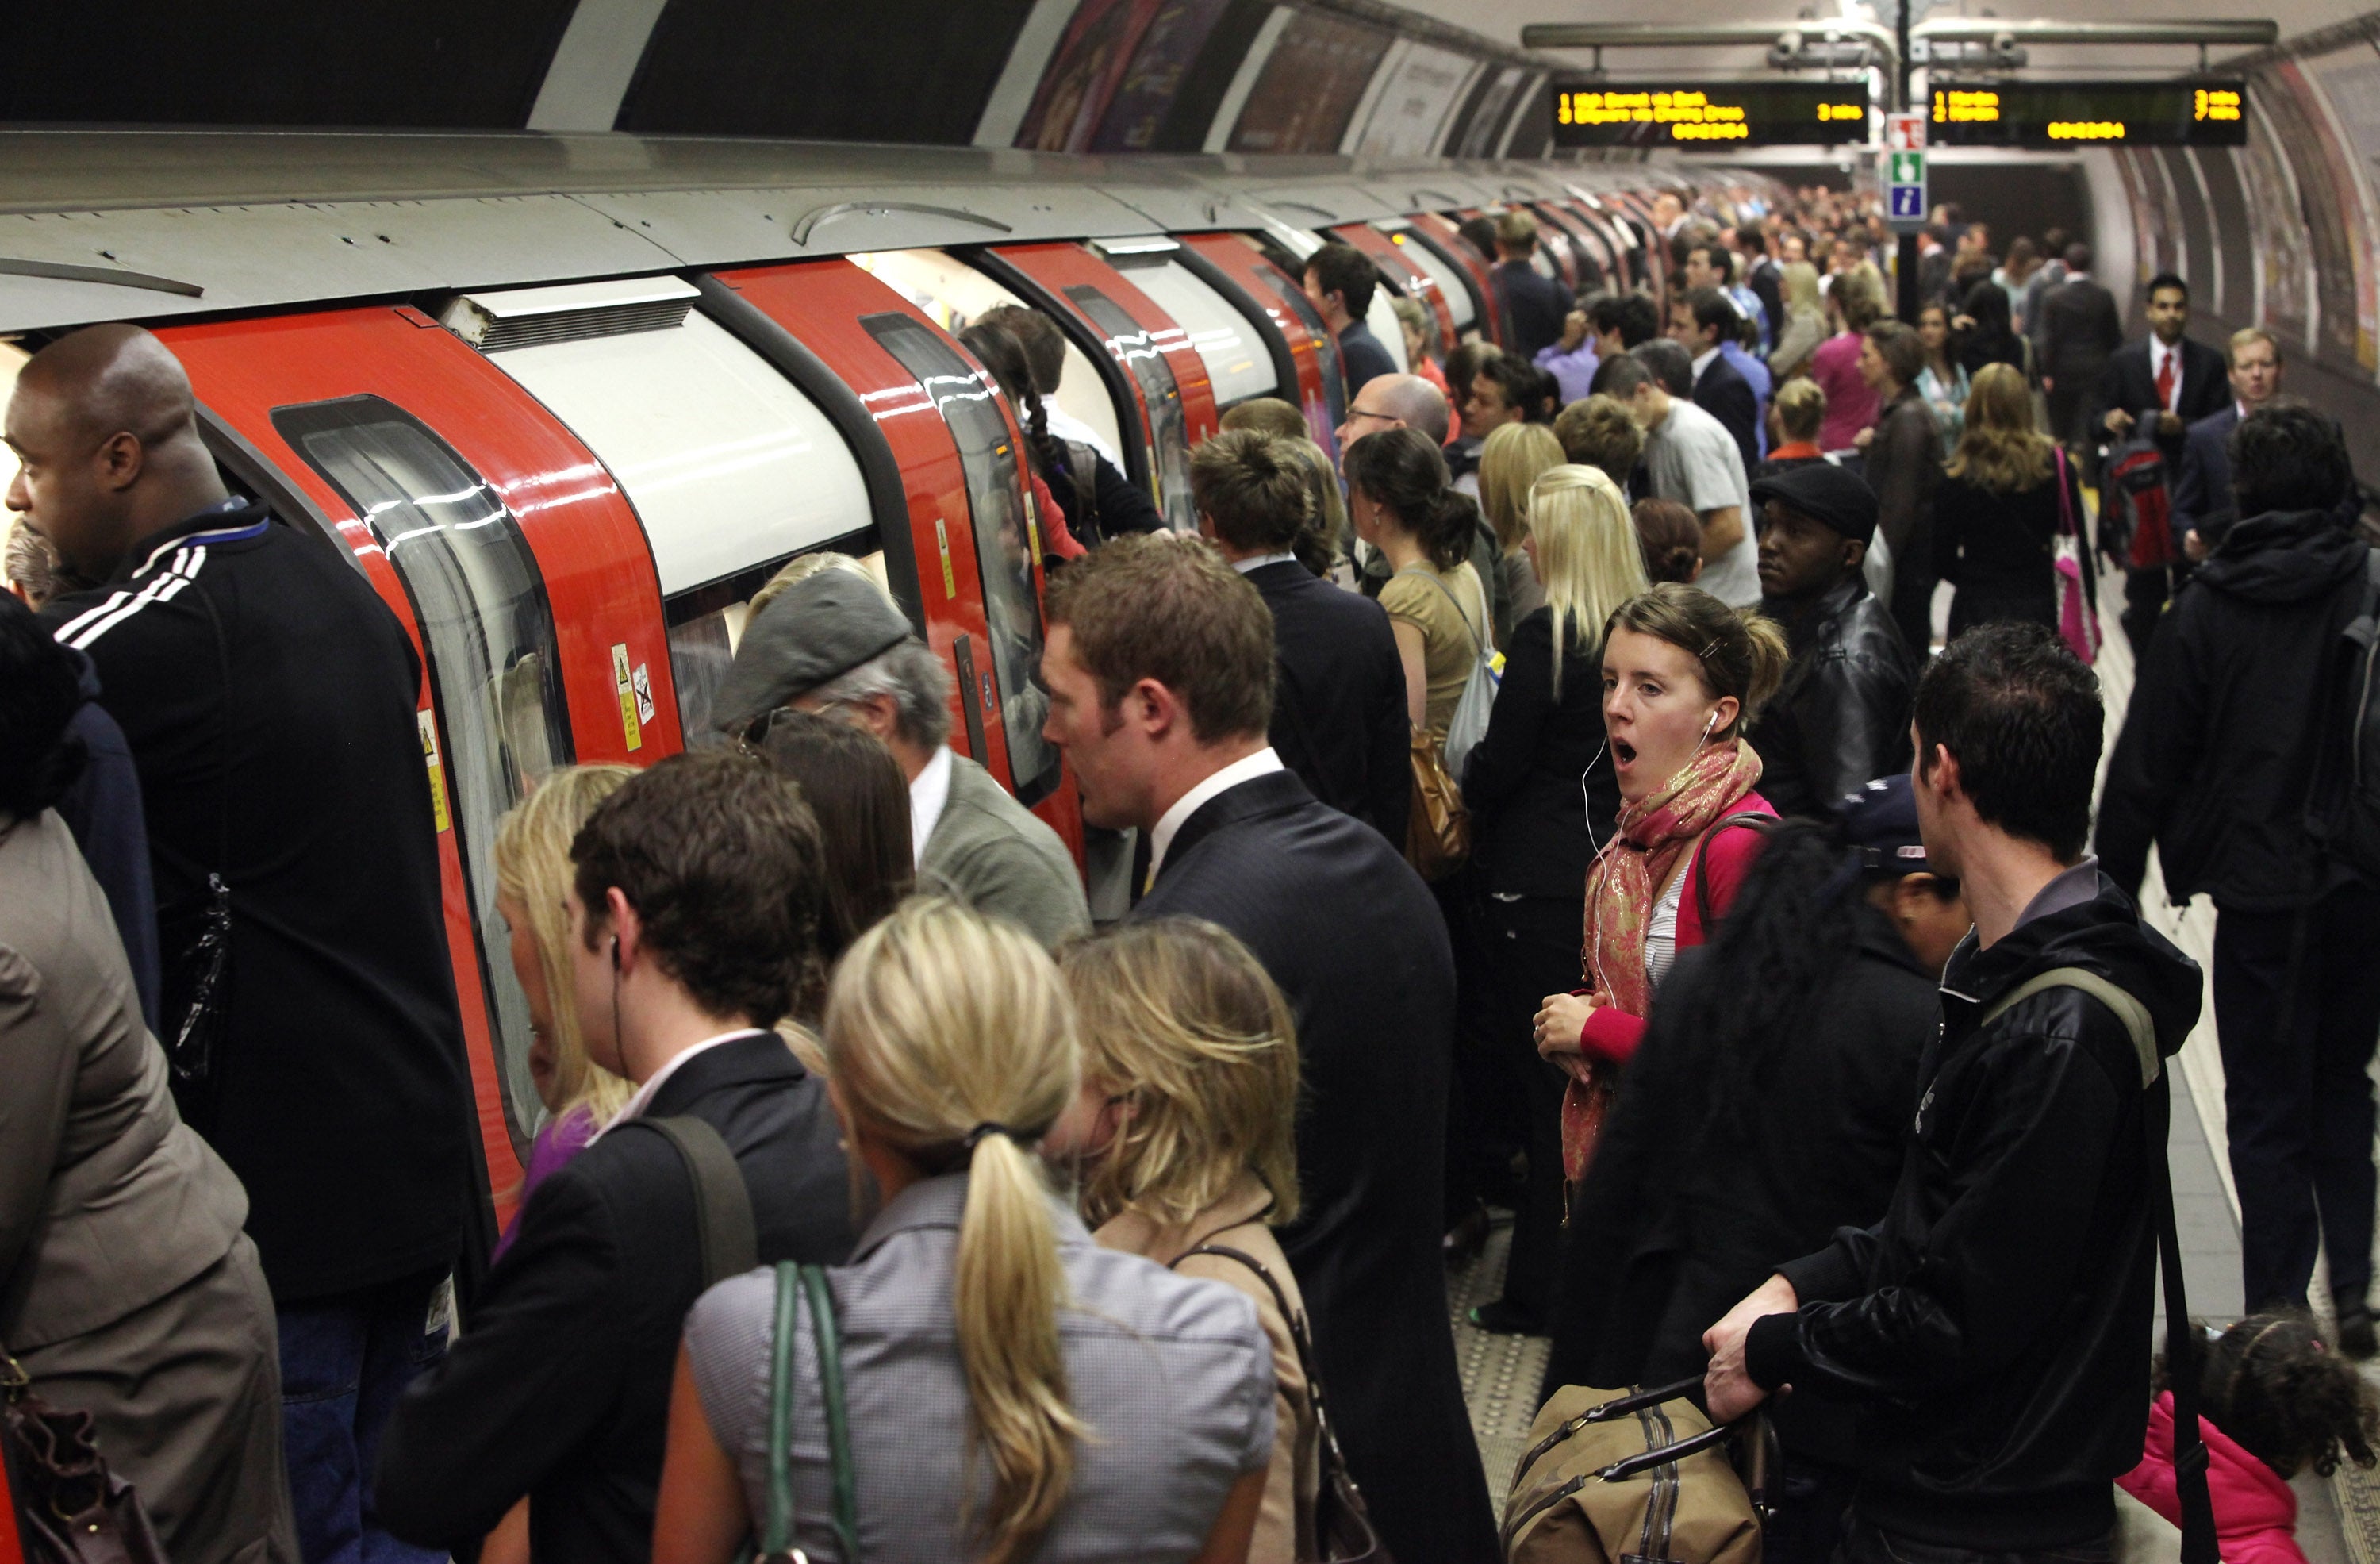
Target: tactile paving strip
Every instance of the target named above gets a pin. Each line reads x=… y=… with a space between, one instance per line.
x=1500 y=1373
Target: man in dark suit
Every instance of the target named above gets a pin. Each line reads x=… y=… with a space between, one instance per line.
x=1339 y=281
x=2080 y=331
x=2203 y=506
x=2155 y=389
x=1338 y=686
x=1158 y=666
x=696 y=897
x=1533 y=306
x=1703 y=320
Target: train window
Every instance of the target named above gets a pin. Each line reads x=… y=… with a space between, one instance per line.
x=1326 y=347
x=1004 y=548
x=706 y=625
x=954 y=293
x=726 y=462
x=495 y=666
x=1139 y=354
x=1419 y=253
x=1235 y=359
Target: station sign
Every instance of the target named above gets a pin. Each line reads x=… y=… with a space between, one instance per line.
x=1590 y=113
x=2046 y=116
x=1902 y=173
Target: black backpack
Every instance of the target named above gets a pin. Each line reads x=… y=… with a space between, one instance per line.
x=2343 y=809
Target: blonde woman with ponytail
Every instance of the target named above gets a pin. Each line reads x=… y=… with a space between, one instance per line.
x=1542 y=797
x=1014 y=1391
x=533 y=888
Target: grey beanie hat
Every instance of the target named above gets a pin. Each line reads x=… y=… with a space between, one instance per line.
x=814 y=631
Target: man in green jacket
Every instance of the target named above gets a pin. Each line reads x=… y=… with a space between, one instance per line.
x=833 y=642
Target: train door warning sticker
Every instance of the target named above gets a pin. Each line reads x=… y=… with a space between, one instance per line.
x=942 y=541
x=429 y=722
x=624 y=682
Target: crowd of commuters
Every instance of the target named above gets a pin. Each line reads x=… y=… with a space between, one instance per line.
x=1557 y=799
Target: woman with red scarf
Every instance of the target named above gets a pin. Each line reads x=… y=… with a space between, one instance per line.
x=1682 y=675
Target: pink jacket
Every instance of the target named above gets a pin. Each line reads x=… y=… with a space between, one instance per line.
x=1723 y=860
x=2255 y=1513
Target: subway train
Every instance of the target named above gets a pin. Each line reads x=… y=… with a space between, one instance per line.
x=567 y=402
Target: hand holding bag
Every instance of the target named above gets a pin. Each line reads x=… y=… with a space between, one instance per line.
x=1612 y=1476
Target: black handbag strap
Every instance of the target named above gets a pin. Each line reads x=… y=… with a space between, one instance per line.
x=223 y=737
x=723 y=1201
x=1751 y=819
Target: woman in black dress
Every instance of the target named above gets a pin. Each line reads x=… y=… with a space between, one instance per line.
x=1998 y=510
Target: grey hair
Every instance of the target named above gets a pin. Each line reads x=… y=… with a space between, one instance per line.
x=914 y=677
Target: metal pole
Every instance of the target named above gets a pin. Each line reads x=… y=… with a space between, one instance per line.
x=1905 y=267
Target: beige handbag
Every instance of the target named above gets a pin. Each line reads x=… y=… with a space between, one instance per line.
x=1611 y=1475
x=1438 y=827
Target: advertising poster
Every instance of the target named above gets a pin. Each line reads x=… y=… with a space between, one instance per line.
x=1168 y=47
x=2152 y=250
x=1482 y=136
x=2328 y=204
x=2284 y=255
x=1408 y=117
x=1310 y=87
x=2349 y=83
x=1083 y=74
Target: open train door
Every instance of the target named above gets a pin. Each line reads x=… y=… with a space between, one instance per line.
x=1407 y=277
x=1148 y=356
x=1239 y=259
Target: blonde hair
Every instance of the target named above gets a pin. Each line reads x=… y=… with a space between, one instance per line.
x=535 y=873
x=801 y=567
x=1801 y=286
x=1588 y=558
x=945 y=1027
x=1737 y=652
x=2000 y=450
x=1180 y=1019
x=1801 y=407
x=1508 y=462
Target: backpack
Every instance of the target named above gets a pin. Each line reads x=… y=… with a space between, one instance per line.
x=2343 y=811
x=1477 y=703
x=2133 y=491
x=1083 y=474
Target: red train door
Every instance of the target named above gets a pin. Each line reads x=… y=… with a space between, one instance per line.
x=1165 y=378
x=1240 y=260
x=1408 y=278
x=966 y=509
x=509 y=552
x=1471 y=270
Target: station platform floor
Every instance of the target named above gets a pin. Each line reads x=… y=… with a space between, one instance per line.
x=2338 y=1517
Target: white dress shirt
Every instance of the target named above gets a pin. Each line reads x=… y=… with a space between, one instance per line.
x=1245 y=769
x=1258 y=562
x=928 y=795
x=1703 y=362
x=637 y=1105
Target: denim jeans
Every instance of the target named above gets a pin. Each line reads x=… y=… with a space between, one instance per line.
x=344 y=1361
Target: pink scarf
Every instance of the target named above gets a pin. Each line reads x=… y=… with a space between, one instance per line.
x=1621 y=889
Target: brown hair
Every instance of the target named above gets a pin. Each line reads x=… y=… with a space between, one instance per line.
x=855 y=789
x=1672 y=538
x=1902 y=350
x=2000 y=451
x=1859 y=296
x=1741 y=651
x=1267 y=415
x=2243 y=337
x=1165 y=607
x=1600 y=431
x=1402 y=473
x=1179 y=1019
x=1253 y=487
x=722 y=860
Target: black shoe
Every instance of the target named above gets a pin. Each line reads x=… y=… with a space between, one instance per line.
x=1504 y=1317
x=1466 y=1239
x=2355 y=1335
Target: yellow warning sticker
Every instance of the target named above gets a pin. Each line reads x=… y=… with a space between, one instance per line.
x=624 y=681
x=943 y=541
x=437 y=774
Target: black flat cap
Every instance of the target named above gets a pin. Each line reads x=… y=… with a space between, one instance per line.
x=1826 y=494
x=816 y=628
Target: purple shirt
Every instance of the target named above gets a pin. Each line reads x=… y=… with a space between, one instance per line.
x=561 y=1139
x=1574 y=371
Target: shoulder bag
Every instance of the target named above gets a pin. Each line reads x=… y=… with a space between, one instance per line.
x=2190 y=1456
x=2078 y=620
x=71 y=1508
x=1342 y=1525
x=797 y=1282
x=1610 y=1477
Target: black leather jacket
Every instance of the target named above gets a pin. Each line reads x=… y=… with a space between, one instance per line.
x=1995 y=1327
x=1842 y=715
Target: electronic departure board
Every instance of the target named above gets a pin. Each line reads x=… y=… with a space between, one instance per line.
x=1745 y=114
x=2067 y=114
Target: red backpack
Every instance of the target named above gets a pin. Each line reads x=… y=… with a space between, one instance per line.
x=2134 y=509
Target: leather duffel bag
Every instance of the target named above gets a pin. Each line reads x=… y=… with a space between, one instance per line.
x=1613 y=1475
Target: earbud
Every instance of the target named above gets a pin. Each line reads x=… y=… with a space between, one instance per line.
x=1707 y=733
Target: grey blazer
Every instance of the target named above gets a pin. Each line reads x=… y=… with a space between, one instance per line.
x=999 y=857
x=108 y=1201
